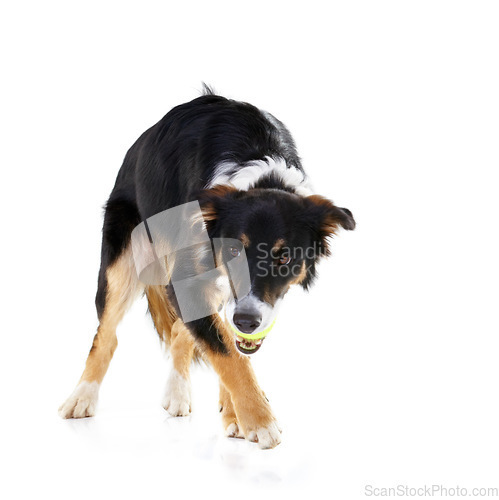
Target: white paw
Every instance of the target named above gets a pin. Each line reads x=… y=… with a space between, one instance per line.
x=177 y=400
x=266 y=437
x=232 y=431
x=82 y=401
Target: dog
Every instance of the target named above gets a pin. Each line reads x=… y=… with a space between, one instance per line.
x=238 y=169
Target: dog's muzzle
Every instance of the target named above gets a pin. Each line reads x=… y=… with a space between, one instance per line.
x=251 y=319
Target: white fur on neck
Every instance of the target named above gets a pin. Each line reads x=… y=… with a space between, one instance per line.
x=228 y=173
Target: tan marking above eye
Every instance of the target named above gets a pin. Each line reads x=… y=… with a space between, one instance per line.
x=245 y=240
x=278 y=246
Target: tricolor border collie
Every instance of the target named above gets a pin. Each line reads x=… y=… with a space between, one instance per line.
x=241 y=165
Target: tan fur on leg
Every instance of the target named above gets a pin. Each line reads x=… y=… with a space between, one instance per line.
x=182 y=348
x=177 y=400
x=173 y=332
x=229 y=418
x=162 y=313
x=122 y=288
x=252 y=410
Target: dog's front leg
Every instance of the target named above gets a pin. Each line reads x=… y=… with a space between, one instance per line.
x=253 y=412
x=252 y=409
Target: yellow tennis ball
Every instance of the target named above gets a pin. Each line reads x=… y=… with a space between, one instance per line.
x=254 y=336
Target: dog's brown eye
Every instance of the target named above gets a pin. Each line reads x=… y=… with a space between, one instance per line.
x=284 y=260
x=235 y=252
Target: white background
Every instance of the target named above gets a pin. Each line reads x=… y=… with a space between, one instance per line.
x=387 y=372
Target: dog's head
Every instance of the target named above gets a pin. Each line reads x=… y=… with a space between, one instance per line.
x=282 y=236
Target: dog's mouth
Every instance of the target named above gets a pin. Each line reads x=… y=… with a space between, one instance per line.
x=247 y=346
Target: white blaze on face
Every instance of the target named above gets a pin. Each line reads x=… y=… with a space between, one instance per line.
x=252 y=305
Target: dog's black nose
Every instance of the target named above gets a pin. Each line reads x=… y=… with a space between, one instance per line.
x=247 y=323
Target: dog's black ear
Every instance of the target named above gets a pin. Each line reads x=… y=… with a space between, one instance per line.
x=213 y=203
x=324 y=217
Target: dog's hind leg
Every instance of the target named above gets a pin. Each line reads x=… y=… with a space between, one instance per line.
x=177 y=399
x=121 y=288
